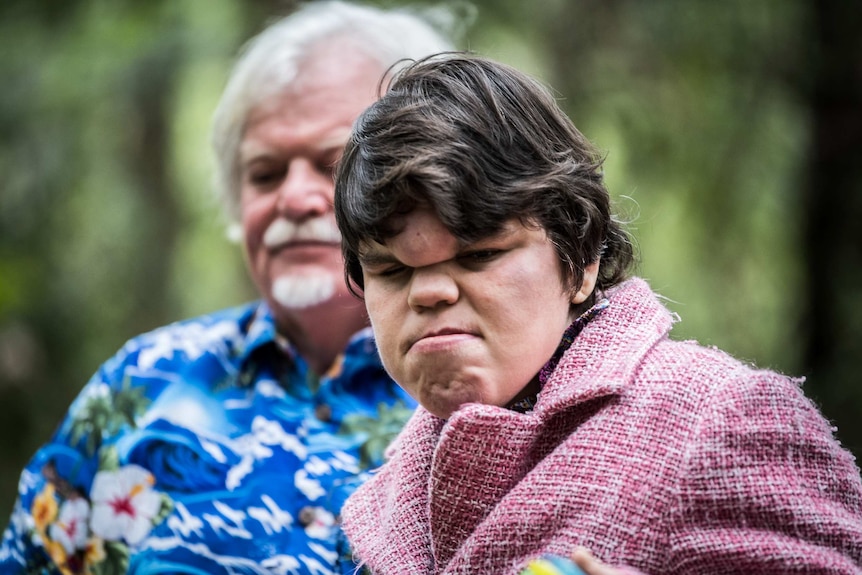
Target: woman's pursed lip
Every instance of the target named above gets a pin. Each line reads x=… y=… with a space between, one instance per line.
x=442 y=337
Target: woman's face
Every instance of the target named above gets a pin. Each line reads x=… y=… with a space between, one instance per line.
x=470 y=323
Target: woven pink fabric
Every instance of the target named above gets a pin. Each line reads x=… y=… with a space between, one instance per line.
x=661 y=457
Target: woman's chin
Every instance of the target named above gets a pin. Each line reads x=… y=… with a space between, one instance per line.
x=443 y=403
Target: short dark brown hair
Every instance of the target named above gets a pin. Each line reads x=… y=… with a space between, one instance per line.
x=481 y=143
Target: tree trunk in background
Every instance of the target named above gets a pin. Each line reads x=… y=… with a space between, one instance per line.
x=832 y=210
x=152 y=86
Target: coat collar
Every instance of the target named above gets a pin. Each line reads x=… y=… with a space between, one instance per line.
x=604 y=356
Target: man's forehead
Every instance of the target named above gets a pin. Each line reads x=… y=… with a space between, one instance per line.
x=336 y=138
x=332 y=140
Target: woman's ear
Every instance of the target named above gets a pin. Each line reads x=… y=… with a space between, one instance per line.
x=588 y=283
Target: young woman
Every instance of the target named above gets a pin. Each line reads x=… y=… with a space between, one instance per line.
x=556 y=412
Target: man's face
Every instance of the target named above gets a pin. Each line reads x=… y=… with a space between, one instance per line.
x=286 y=159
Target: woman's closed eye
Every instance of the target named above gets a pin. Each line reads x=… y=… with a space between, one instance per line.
x=384 y=270
x=478 y=257
x=391 y=271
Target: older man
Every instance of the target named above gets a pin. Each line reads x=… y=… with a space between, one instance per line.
x=227 y=443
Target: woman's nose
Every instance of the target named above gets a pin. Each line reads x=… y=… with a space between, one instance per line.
x=305 y=192
x=430 y=288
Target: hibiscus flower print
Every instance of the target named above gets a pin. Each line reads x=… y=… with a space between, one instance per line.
x=124 y=504
x=70 y=529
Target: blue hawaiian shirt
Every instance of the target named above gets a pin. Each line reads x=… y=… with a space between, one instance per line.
x=207 y=446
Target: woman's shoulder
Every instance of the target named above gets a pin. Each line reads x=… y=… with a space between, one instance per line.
x=692 y=359
x=702 y=377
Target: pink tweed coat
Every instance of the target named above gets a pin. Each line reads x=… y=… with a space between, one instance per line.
x=660 y=456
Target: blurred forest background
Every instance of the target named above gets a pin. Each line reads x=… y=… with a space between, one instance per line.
x=733 y=132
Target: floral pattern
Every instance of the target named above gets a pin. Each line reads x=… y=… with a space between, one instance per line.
x=207 y=446
x=70 y=528
x=124 y=504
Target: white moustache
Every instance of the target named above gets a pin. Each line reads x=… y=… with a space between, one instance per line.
x=282 y=231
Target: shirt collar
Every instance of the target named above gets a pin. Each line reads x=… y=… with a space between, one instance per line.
x=260 y=332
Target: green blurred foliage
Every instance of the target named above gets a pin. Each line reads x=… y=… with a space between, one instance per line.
x=708 y=112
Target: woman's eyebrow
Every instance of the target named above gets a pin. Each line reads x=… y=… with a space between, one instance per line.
x=376 y=257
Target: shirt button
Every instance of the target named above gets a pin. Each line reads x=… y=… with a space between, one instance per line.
x=323 y=412
x=307 y=515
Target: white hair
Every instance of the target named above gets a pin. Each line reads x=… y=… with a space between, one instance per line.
x=268 y=63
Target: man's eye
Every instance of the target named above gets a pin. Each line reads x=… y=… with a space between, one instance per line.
x=327 y=169
x=266 y=178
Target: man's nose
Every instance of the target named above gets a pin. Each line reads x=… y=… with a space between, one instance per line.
x=430 y=288
x=306 y=191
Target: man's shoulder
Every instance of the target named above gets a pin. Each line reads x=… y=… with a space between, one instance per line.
x=239 y=315
x=223 y=324
x=223 y=332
